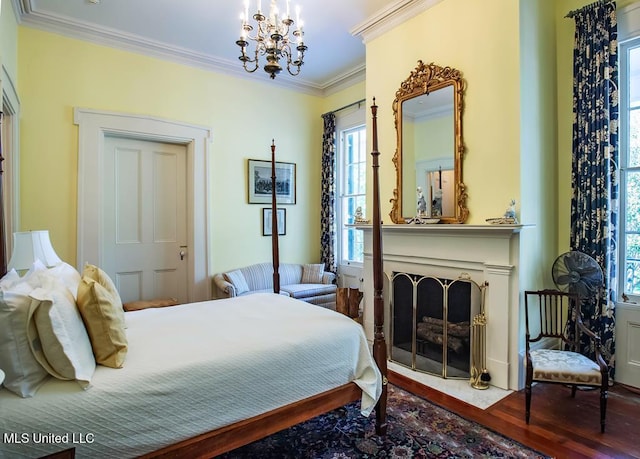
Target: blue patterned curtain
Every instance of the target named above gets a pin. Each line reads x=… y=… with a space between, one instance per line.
x=328 y=194
x=594 y=176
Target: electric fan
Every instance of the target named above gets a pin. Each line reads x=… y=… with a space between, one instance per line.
x=577 y=272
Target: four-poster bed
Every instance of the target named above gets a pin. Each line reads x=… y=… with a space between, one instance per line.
x=362 y=378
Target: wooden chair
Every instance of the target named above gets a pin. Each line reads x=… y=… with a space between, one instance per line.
x=546 y=314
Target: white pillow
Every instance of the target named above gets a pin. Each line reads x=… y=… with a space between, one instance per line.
x=23 y=373
x=66 y=350
x=9 y=280
x=64 y=273
x=239 y=282
x=32 y=276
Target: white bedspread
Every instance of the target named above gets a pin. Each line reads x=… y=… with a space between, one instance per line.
x=190 y=369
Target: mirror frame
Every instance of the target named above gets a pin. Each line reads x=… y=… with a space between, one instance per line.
x=424 y=80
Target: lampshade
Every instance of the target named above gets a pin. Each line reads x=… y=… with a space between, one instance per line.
x=29 y=246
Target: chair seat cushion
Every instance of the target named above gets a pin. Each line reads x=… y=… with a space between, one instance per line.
x=564 y=366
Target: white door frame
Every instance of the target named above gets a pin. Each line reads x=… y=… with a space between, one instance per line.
x=11 y=151
x=93 y=125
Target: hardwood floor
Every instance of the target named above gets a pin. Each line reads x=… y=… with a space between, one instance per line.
x=560 y=426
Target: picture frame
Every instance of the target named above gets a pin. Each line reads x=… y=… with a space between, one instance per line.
x=267 y=221
x=259 y=182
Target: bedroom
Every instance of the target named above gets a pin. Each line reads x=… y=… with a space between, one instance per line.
x=54 y=74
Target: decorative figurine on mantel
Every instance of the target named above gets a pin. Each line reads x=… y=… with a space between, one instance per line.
x=359 y=216
x=509 y=217
x=422 y=204
x=421 y=211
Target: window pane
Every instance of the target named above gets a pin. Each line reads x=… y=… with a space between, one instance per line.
x=632 y=209
x=634 y=77
x=353 y=188
x=632 y=271
x=629 y=241
x=634 y=138
x=362 y=178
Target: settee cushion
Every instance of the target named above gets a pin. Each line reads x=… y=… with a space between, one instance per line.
x=326 y=301
x=308 y=290
x=264 y=290
x=239 y=282
x=312 y=273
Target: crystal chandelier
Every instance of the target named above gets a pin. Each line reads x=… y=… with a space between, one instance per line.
x=272 y=40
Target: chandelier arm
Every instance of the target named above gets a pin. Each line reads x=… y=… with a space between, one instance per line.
x=255 y=67
x=286 y=53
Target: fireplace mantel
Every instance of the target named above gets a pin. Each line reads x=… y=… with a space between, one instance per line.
x=486 y=253
x=449 y=228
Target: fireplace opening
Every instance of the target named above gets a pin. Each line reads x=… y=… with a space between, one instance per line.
x=431 y=323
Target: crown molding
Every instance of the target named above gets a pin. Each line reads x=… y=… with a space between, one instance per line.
x=345 y=80
x=62 y=25
x=390 y=17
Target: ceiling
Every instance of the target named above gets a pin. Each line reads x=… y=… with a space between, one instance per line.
x=203 y=32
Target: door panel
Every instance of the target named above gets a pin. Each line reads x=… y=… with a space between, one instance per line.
x=144 y=218
x=350 y=276
x=628 y=344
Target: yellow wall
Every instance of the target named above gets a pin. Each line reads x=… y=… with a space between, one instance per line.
x=351 y=94
x=57 y=74
x=538 y=140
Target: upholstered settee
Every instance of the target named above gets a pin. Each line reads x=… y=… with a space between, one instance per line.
x=306 y=282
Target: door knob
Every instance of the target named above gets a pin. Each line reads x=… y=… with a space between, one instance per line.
x=182 y=252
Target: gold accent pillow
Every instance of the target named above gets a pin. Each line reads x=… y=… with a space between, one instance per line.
x=93 y=272
x=103 y=317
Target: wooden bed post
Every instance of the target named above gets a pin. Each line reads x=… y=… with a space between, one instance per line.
x=379 y=344
x=275 y=252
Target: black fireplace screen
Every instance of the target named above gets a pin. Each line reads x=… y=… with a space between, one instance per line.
x=431 y=323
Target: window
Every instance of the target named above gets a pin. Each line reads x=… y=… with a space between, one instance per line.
x=629 y=240
x=352 y=184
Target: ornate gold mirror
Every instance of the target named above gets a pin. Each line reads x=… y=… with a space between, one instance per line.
x=429 y=152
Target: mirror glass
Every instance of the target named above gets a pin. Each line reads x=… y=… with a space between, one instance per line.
x=428 y=159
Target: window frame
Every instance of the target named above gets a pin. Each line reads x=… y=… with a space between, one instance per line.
x=624 y=145
x=352 y=120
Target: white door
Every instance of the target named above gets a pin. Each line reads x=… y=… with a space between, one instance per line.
x=144 y=221
x=628 y=344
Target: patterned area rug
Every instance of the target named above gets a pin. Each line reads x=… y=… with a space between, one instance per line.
x=416 y=429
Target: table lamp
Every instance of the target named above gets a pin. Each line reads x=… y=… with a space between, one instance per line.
x=29 y=246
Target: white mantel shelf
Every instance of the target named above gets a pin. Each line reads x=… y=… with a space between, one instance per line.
x=446 y=228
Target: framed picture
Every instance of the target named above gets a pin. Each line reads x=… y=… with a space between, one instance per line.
x=260 y=182
x=267 y=221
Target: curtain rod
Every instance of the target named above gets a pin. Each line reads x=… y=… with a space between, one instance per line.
x=346 y=106
x=572 y=13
